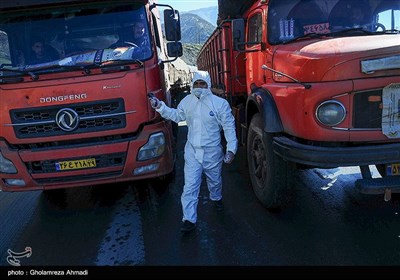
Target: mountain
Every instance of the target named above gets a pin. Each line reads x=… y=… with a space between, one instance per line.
x=210 y=14
x=190 y=52
x=195 y=29
x=4 y=51
x=194 y=32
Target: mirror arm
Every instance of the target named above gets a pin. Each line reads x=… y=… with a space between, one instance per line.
x=161 y=5
x=170 y=60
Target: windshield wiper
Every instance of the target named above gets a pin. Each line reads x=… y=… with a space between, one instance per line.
x=349 y=30
x=84 y=68
x=121 y=61
x=31 y=74
x=305 y=36
x=41 y=68
x=341 y=32
x=391 y=31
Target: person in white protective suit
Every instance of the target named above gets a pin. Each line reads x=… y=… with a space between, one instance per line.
x=205 y=114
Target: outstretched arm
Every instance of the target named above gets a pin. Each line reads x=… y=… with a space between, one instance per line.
x=175 y=115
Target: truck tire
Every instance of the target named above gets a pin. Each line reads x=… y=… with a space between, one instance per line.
x=268 y=172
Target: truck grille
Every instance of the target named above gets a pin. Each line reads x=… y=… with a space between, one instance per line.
x=49 y=166
x=95 y=116
x=367 y=109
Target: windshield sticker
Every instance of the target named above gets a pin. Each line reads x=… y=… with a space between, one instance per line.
x=391 y=111
x=319 y=28
x=286 y=29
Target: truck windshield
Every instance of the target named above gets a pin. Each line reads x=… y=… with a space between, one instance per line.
x=79 y=34
x=291 y=19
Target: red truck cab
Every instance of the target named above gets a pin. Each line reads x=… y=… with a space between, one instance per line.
x=322 y=89
x=81 y=116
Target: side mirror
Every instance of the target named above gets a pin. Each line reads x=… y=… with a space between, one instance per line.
x=238 y=34
x=172 y=25
x=174 y=49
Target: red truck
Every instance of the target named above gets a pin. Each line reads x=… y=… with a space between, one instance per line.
x=83 y=117
x=313 y=84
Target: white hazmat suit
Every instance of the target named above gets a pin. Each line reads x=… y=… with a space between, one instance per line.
x=205 y=116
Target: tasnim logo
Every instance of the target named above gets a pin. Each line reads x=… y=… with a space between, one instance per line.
x=13 y=257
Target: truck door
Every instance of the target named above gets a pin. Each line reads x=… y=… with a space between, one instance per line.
x=255 y=40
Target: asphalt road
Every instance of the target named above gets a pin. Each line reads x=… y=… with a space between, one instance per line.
x=326 y=222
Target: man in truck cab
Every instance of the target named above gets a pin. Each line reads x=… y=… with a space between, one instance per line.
x=40 y=52
x=137 y=37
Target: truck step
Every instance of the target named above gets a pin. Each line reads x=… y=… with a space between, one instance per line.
x=378 y=185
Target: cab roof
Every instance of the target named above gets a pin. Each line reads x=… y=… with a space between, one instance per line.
x=8 y=5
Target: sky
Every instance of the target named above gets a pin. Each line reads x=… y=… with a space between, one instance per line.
x=189 y=5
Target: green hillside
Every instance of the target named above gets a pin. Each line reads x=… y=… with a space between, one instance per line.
x=190 y=52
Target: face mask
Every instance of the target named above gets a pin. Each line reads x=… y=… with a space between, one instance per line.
x=199 y=91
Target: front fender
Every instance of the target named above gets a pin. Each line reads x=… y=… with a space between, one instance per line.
x=262 y=101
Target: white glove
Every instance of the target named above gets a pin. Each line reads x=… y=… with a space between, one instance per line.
x=229 y=156
x=154 y=102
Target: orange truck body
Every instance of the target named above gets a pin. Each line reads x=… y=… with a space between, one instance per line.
x=309 y=90
x=84 y=119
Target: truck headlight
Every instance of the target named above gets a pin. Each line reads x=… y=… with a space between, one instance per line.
x=6 y=166
x=153 y=148
x=330 y=113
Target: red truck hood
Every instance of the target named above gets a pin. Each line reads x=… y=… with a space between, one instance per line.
x=335 y=59
x=121 y=92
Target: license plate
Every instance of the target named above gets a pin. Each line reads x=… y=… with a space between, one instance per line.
x=393 y=169
x=76 y=164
